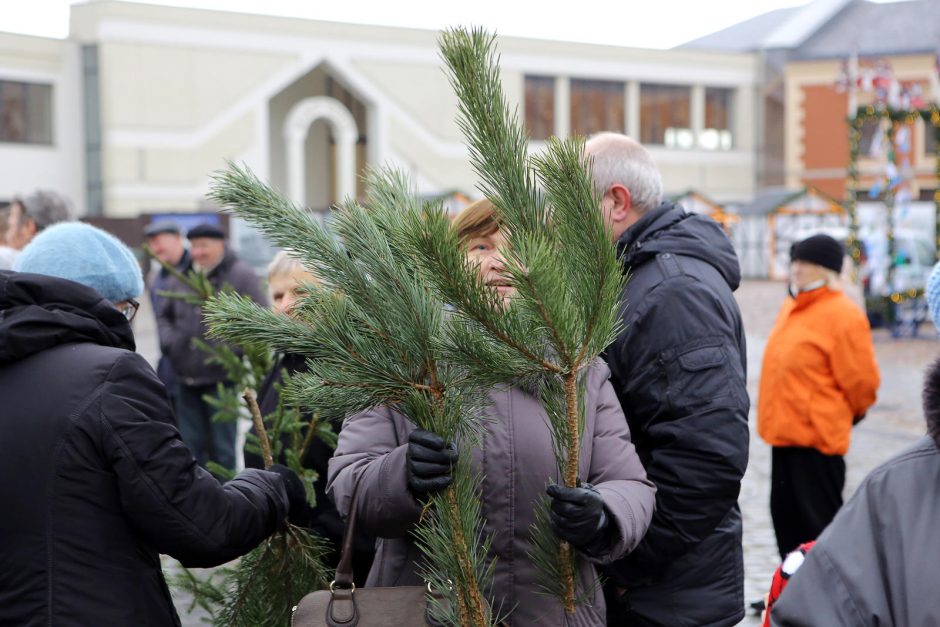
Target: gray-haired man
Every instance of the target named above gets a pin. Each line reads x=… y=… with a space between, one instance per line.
x=678 y=368
x=32 y=214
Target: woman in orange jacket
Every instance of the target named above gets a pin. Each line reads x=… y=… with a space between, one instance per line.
x=818 y=379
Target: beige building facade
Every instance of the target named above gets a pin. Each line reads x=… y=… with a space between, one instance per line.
x=149 y=101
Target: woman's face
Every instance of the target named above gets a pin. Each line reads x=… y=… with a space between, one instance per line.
x=803 y=273
x=486 y=252
x=287 y=289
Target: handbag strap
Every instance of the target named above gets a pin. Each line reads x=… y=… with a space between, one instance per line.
x=344 y=570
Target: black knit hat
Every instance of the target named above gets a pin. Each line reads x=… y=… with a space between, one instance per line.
x=819 y=249
x=210 y=231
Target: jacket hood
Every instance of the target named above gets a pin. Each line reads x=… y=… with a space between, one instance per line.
x=39 y=312
x=931 y=401
x=669 y=228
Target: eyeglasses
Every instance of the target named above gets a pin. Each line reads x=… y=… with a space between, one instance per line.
x=129 y=308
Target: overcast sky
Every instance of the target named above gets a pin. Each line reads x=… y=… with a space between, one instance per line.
x=643 y=23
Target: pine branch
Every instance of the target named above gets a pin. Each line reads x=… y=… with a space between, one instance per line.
x=256 y=419
x=497 y=142
x=237 y=319
x=379 y=341
x=560 y=260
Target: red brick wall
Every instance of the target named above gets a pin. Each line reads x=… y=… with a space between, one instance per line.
x=825 y=136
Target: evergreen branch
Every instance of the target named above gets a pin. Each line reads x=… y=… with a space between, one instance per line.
x=312 y=431
x=378 y=335
x=555 y=567
x=497 y=142
x=238 y=190
x=560 y=260
x=263 y=440
x=433 y=244
x=239 y=320
x=593 y=270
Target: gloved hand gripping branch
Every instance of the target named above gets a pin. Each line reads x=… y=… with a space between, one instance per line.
x=578 y=516
x=430 y=463
x=299 y=510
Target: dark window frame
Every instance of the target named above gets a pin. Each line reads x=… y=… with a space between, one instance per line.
x=539 y=106
x=658 y=96
x=714 y=110
x=36 y=101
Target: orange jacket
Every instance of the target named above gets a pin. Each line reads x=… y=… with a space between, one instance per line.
x=819 y=372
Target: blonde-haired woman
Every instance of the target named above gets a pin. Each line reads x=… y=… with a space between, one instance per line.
x=288 y=279
x=818 y=379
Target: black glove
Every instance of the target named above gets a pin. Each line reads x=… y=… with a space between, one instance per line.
x=430 y=460
x=578 y=516
x=298 y=512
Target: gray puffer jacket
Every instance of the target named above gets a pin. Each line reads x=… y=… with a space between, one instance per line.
x=515 y=463
x=876 y=563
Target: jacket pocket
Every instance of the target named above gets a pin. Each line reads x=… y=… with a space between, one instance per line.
x=699 y=374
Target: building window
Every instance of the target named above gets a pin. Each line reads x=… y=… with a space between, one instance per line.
x=597 y=106
x=719 y=116
x=869 y=143
x=25 y=113
x=540 y=106
x=930 y=139
x=665 y=117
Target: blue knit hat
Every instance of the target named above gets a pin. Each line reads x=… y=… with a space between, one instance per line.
x=84 y=254
x=933 y=295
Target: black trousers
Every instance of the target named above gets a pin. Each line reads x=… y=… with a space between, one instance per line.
x=805 y=494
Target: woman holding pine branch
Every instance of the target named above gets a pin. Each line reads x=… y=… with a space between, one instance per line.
x=398 y=467
x=288 y=280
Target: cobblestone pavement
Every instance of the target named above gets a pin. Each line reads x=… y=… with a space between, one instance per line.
x=894 y=422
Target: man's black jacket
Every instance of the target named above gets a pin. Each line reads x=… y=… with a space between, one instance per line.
x=94 y=479
x=679 y=369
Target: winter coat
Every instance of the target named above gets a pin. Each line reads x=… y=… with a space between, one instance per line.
x=876 y=563
x=678 y=368
x=161 y=281
x=94 y=479
x=819 y=373
x=515 y=463
x=178 y=322
x=323 y=517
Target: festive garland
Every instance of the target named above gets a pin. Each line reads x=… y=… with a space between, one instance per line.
x=896 y=117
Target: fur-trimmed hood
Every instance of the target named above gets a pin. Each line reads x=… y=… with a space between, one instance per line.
x=931 y=401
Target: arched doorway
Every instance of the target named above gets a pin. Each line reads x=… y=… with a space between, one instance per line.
x=345 y=133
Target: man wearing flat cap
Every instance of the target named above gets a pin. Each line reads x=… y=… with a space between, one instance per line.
x=180 y=323
x=165 y=240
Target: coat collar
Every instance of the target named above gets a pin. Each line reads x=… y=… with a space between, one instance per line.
x=802 y=300
x=931 y=401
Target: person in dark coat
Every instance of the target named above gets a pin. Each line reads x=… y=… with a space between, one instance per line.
x=180 y=322
x=165 y=241
x=876 y=562
x=678 y=368
x=95 y=479
x=286 y=280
